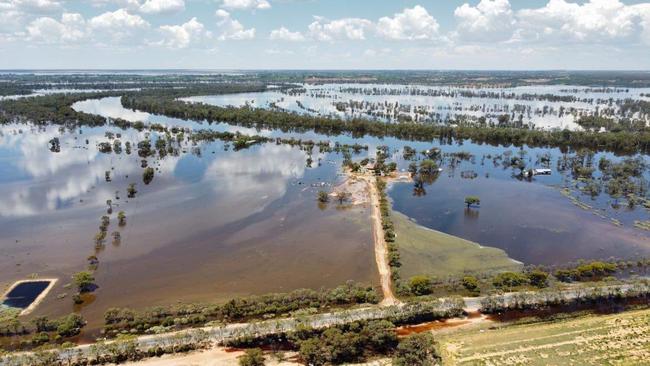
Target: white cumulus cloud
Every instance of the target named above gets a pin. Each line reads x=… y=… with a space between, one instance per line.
x=323 y=29
x=117 y=26
x=144 y=6
x=283 y=34
x=182 y=36
x=232 y=29
x=162 y=6
x=489 y=20
x=246 y=4
x=594 y=21
x=32 y=6
x=70 y=29
x=411 y=24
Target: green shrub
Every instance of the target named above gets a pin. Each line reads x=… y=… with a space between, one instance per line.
x=416 y=350
x=538 y=278
x=252 y=357
x=420 y=285
x=509 y=280
x=470 y=283
x=70 y=325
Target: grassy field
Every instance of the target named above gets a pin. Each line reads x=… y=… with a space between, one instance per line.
x=619 y=339
x=428 y=252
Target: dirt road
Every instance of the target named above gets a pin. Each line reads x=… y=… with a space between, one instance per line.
x=381 y=249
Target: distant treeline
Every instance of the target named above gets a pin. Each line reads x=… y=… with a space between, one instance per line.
x=599 y=80
x=57 y=109
x=620 y=142
x=13 y=89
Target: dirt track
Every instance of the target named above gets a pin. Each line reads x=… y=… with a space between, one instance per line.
x=381 y=249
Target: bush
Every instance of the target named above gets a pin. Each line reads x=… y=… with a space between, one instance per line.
x=345 y=343
x=252 y=357
x=70 y=325
x=41 y=338
x=470 y=283
x=420 y=285
x=83 y=280
x=509 y=280
x=595 y=269
x=381 y=335
x=312 y=353
x=538 y=278
x=586 y=272
x=416 y=350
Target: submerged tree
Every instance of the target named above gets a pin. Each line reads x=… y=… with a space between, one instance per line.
x=131 y=191
x=343 y=196
x=472 y=200
x=55 y=145
x=117 y=238
x=105 y=221
x=323 y=197
x=121 y=218
x=428 y=167
x=147 y=175
x=84 y=281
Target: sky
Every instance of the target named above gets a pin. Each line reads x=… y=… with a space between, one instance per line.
x=325 y=34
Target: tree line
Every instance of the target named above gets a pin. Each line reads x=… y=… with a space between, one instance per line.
x=620 y=142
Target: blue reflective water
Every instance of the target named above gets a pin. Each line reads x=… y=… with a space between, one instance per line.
x=23 y=294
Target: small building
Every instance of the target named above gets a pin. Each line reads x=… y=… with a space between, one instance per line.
x=542 y=171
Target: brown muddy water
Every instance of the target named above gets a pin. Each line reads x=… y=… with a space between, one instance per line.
x=207 y=228
x=215 y=224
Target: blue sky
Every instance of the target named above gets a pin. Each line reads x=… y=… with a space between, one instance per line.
x=325 y=34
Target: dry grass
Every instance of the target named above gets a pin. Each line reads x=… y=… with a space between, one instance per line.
x=620 y=339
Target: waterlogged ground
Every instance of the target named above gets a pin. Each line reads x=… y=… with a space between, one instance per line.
x=533 y=223
x=216 y=223
x=545 y=219
x=212 y=224
x=438 y=104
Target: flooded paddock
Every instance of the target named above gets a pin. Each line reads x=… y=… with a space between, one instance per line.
x=540 y=220
x=213 y=224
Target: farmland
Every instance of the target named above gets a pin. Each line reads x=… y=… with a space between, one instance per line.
x=621 y=339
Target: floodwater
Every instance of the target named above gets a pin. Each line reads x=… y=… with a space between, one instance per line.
x=23 y=294
x=532 y=220
x=213 y=224
x=216 y=223
x=439 y=104
x=533 y=223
